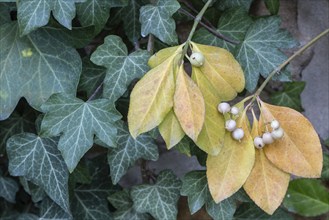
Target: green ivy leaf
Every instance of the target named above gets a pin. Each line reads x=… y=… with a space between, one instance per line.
x=226 y=4
x=35 y=67
x=33 y=14
x=96 y=12
x=307 y=197
x=79 y=121
x=223 y=210
x=325 y=169
x=122 y=202
x=4 y=13
x=91 y=77
x=234 y=24
x=50 y=210
x=32 y=157
x=157 y=19
x=273 y=6
x=128 y=150
x=184 y=146
x=160 y=199
x=81 y=175
x=16 y=124
x=27 y=216
x=8 y=188
x=259 y=52
x=121 y=67
x=195 y=186
x=36 y=192
x=289 y=96
x=249 y=211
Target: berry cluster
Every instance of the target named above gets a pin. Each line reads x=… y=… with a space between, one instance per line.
x=269 y=137
x=230 y=125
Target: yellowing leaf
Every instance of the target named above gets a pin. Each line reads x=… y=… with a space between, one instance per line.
x=189 y=105
x=299 y=151
x=222 y=70
x=162 y=55
x=152 y=97
x=266 y=184
x=211 y=137
x=228 y=171
x=170 y=130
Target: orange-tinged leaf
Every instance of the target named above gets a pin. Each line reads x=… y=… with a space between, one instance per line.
x=222 y=70
x=228 y=171
x=299 y=151
x=189 y=105
x=211 y=137
x=266 y=184
x=152 y=97
x=170 y=130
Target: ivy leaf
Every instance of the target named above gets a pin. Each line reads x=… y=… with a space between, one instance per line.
x=32 y=156
x=8 y=188
x=160 y=199
x=155 y=90
x=4 y=13
x=96 y=12
x=184 y=146
x=223 y=210
x=234 y=24
x=33 y=14
x=122 y=202
x=195 y=186
x=16 y=124
x=128 y=150
x=91 y=77
x=79 y=121
x=34 y=67
x=273 y=6
x=130 y=17
x=290 y=96
x=50 y=210
x=27 y=216
x=325 y=169
x=36 y=192
x=259 y=52
x=307 y=197
x=250 y=211
x=157 y=19
x=226 y=4
x=299 y=151
x=121 y=67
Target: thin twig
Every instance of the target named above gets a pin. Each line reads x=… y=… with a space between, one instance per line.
x=210 y=29
x=95 y=92
x=150 y=44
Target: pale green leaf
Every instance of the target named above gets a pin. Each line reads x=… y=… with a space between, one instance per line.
x=32 y=14
x=249 y=211
x=8 y=188
x=128 y=150
x=78 y=122
x=34 y=67
x=273 y=6
x=157 y=19
x=122 y=202
x=307 y=197
x=160 y=199
x=259 y=52
x=32 y=156
x=121 y=67
x=289 y=96
x=184 y=146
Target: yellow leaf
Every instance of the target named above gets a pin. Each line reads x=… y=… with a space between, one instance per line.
x=222 y=70
x=162 y=55
x=211 y=137
x=189 y=105
x=299 y=151
x=170 y=130
x=228 y=171
x=266 y=184
x=152 y=96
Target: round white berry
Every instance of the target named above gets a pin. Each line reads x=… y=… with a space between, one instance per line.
x=238 y=134
x=230 y=125
x=277 y=134
x=197 y=59
x=267 y=138
x=275 y=124
x=224 y=107
x=258 y=142
x=235 y=110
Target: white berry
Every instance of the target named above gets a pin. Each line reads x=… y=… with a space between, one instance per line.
x=258 y=142
x=267 y=138
x=197 y=59
x=277 y=134
x=238 y=134
x=230 y=125
x=224 y=107
x=234 y=110
x=275 y=124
